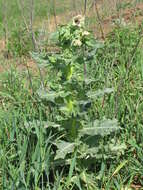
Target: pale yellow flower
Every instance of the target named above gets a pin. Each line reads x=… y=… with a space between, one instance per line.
x=77 y=43
x=85 y=33
x=78 y=20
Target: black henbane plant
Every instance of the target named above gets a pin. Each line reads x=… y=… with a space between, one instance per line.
x=70 y=95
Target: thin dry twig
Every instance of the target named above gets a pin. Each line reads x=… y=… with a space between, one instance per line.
x=74 y=6
x=99 y=20
x=31 y=23
x=5 y=27
x=21 y=8
x=85 y=7
x=54 y=13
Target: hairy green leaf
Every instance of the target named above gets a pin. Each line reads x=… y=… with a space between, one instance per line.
x=103 y=127
x=63 y=149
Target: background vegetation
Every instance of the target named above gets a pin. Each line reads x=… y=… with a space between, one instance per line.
x=71 y=100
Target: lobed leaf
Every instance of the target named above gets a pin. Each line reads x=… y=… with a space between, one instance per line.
x=64 y=148
x=99 y=93
x=104 y=127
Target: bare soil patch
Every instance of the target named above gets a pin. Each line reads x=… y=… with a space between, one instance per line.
x=133 y=15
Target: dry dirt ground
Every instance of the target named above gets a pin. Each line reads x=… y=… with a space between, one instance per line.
x=133 y=15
